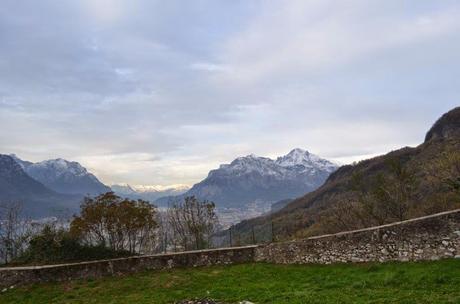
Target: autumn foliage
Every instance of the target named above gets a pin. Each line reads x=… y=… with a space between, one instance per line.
x=116 y=223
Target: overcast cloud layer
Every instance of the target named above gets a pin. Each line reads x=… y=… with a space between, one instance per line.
x=160 y=92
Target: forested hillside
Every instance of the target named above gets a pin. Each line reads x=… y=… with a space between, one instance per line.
x=402 y=184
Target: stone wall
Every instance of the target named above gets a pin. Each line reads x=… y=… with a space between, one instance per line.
x=36 y=274
x=427 y=238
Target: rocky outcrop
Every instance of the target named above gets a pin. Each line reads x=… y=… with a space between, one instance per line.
x=447 y=126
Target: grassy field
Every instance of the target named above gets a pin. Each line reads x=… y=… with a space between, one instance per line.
x=425 y=282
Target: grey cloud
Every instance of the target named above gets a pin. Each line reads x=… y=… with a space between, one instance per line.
x=155 y=92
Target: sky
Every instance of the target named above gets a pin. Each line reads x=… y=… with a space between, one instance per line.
x=159 y=92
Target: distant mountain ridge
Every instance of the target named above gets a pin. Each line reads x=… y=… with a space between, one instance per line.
x=252 y=178
x=63 y=176
x=149 y=193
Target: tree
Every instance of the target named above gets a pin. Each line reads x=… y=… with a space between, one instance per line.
x=447 y=170
x=389 y=195
x=15 y=231
x=380 y=199
x=193 y=222
x=441 y=179
x=397 y=190
x=119 y=224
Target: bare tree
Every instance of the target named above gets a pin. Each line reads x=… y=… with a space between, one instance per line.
x=396 y=191
x=377 y=200
x=15 y=231
x=193 y=222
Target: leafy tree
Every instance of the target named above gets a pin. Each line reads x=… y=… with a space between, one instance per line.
x=119 y=224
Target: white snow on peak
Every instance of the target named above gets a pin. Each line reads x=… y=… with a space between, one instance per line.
x=61 y=166
x=152 y=188
x=123 y=188
x=304 y=158
x=301 y=159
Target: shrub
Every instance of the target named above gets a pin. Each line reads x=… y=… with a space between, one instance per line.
x=53 y=245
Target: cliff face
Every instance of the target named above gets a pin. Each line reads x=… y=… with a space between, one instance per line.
x=448 y=126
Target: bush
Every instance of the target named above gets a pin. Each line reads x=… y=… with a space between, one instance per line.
x=54 y=245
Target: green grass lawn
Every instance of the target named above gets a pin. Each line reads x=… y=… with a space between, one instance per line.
x=425 y=282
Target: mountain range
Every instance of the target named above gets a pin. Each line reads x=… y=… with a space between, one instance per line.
x=63 y=176
x=37 y=199
x=57 y=186
x=51 y=187
x=148 y=193
x=253 y=178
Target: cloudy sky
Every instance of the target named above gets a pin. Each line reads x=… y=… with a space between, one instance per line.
x=160 y=92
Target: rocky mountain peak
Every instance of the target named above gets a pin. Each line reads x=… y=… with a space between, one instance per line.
x=62 y=166
x=8 y=166
x=447 y=126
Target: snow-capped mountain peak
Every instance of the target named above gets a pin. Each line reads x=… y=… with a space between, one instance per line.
x=148 y=192
x=298 y=159
x=63 y=176
x=252 y=178
x=123 y=189
x=160 y=188
x=247 y=164
x=61 y=166
x=306 y=159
